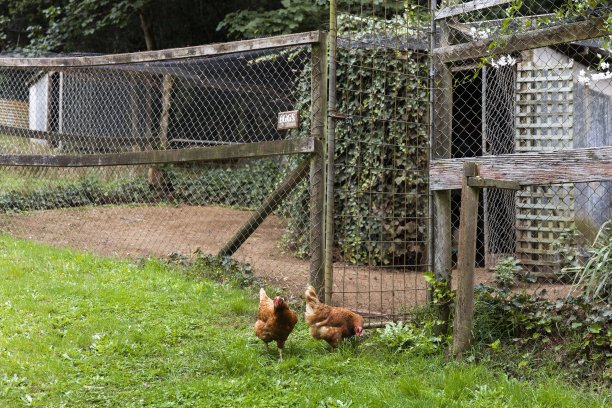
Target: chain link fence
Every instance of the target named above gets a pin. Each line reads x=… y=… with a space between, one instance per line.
x=165 y=152
x=525 y=77
x=156 y=153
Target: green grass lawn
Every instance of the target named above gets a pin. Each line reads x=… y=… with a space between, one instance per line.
x=80 y=331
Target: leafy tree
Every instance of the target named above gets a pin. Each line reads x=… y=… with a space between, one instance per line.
x=293 y=16
x=113 y=25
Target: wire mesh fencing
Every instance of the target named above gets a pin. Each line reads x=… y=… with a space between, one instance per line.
x=526 y=77
x=381 y=200
x=167 y=152
x=170 y=153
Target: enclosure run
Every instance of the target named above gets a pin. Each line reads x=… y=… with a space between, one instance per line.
x=455 y=139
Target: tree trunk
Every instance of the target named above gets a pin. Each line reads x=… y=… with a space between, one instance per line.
x=145 y=24
x=155 y=176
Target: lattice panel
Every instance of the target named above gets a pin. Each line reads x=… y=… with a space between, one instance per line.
x=544 y=122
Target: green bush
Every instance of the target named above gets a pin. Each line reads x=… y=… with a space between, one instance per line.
x=595 y=278
x=243 y=185
x=576 y=326
x=225 y=270
x=506 y=271
x=406 y=337
x=565 y=249
x=88 y=191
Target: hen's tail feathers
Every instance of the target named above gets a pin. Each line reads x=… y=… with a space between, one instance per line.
x=311 y=295
x=262 y=294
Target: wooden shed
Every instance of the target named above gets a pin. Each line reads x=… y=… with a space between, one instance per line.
x=537 y=104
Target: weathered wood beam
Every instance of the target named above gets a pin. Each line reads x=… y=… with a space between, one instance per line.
x=480 y=182
x=288 y=40
x=581 y=30
x=318 y=117
x=466 y=259
x=164 y=121
x=563 y=166
x=468 y=7
x=441 y=149
x=237 y=151
x=267 y=207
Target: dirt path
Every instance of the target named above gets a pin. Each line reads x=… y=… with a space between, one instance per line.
x=137 y=232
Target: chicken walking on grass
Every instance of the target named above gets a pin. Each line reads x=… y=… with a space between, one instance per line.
x=275 y=321
x=329 y=323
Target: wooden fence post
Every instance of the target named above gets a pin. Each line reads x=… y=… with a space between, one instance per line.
x=155 y=175
x=441 y=149
x=318 y=115
x=466 y=258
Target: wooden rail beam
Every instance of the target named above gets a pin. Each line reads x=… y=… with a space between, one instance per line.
x=562 y=166
x=270 y=204
x=289 y=40
x=201 y=154
x=480 y=182
x=577 y=31
x=468 y=7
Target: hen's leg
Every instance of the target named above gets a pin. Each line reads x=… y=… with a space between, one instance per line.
x=280 y=345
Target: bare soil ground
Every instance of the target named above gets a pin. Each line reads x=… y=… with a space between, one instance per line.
x=137 y=232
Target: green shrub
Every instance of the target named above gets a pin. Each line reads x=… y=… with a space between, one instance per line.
x=406 y=337
x=565 y=249
x=224 y=270
x=595 y=278
x=88 y=191
x=575 y=325
x=242 y=185
x=506 y=271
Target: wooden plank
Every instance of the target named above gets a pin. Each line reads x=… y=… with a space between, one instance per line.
x=468 y=7
x=267 y=207
x=441 y=149
x=556 y=167
x=288 y=40
x=238 y=151
x=506 y=44
x=318 y=117
x=466 y=260
x=490 y=183
x=164 y=121
x=154 y=175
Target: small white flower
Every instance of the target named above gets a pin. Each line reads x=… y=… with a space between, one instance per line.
x=604 y=65
x=582 y=72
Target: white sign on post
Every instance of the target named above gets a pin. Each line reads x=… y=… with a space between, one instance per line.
x=288 y=120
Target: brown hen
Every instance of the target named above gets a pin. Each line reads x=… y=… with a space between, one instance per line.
x=329 y=323
x=275 y=321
